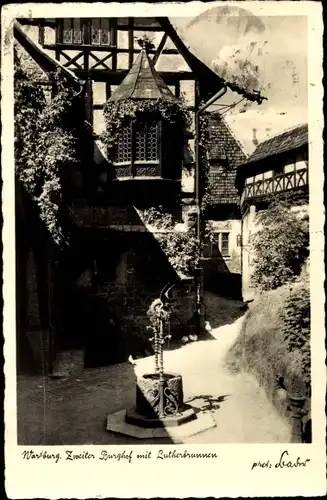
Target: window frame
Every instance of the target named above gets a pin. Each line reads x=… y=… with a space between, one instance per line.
x=208 y=246
x=86 y=31
x=132 y=161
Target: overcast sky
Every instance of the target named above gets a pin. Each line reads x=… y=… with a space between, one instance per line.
x=276 y=47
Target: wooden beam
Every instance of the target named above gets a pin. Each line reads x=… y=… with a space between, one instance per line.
x=113 y=41
x=130 y=41
x=159 y=49
x=108 y=91
x=89 y=102
x=116 y=77
x=86 y=27
x=59 y=30
x=51 y=23
x=104 y=48
x=41 y=35
x=46 y=62
x=101 y=61
x=121 y=27
x=73 y=60
x=196 y=65
x=178 y=88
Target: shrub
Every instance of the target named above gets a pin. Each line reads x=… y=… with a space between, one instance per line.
x=280 y=246
x=296 y=334
x=275 y=342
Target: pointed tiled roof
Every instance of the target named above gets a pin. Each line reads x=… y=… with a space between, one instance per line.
x=224 y=153
x=142 y=82
x=281 y=143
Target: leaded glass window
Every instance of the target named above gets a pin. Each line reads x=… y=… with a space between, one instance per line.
x=124 y=145
x=77 y=31
x=146 y=141
x=143 y=137
x=67 y=31
x=72 y=31
x=100 y=32
x=95 y=32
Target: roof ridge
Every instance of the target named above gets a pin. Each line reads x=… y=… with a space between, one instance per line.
x=140 y=56
x=231 y=132
x=289 y=129
x=234 y=137
x=21 y=37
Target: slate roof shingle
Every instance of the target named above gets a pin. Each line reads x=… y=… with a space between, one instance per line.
x=282 y=143
x=142 y=82
x=224 y=153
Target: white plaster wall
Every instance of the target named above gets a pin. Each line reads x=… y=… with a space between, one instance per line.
x=250 y=226
x=233 y=227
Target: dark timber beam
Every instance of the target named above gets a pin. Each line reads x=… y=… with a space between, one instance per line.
x=46 y=62
x=116 y=77
x=113 y=41
x=51 y=23
x=104 y=48
x=196 y=65
x=159 y=49
x=130 y=41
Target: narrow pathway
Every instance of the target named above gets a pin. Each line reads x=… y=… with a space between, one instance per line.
x=239 y=406
x=73 y=411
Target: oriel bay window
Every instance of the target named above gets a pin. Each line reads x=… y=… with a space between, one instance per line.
x=138 y=150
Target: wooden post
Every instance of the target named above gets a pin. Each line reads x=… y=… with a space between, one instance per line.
x=41 y=35
x=130 y=42
x=113 y=42
x=296 y=406
x=86 y=26
x=108 y=91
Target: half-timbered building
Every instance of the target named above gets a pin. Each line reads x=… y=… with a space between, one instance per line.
x=278 y=167
x=96 y=295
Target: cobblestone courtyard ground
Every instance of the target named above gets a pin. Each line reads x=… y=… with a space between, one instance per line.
x=73 y=411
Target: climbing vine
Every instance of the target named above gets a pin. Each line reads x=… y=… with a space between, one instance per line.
x=180 y=246
x=204 y=164
x=119 y=114
x=45 y=144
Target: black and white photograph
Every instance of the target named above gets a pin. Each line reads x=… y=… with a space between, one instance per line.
x=165 y=233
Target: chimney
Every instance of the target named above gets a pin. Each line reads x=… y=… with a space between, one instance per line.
x=255 y=140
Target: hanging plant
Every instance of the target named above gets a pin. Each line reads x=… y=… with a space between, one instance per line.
x=118 y=114
x=45 y=144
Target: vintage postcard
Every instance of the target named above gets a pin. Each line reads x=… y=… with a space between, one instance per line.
x=163 y=249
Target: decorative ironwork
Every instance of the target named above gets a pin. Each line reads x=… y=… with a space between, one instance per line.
x=171 y=406
x=123 y=171
x=153 y=396
x=147 y=171
x=160 y=310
